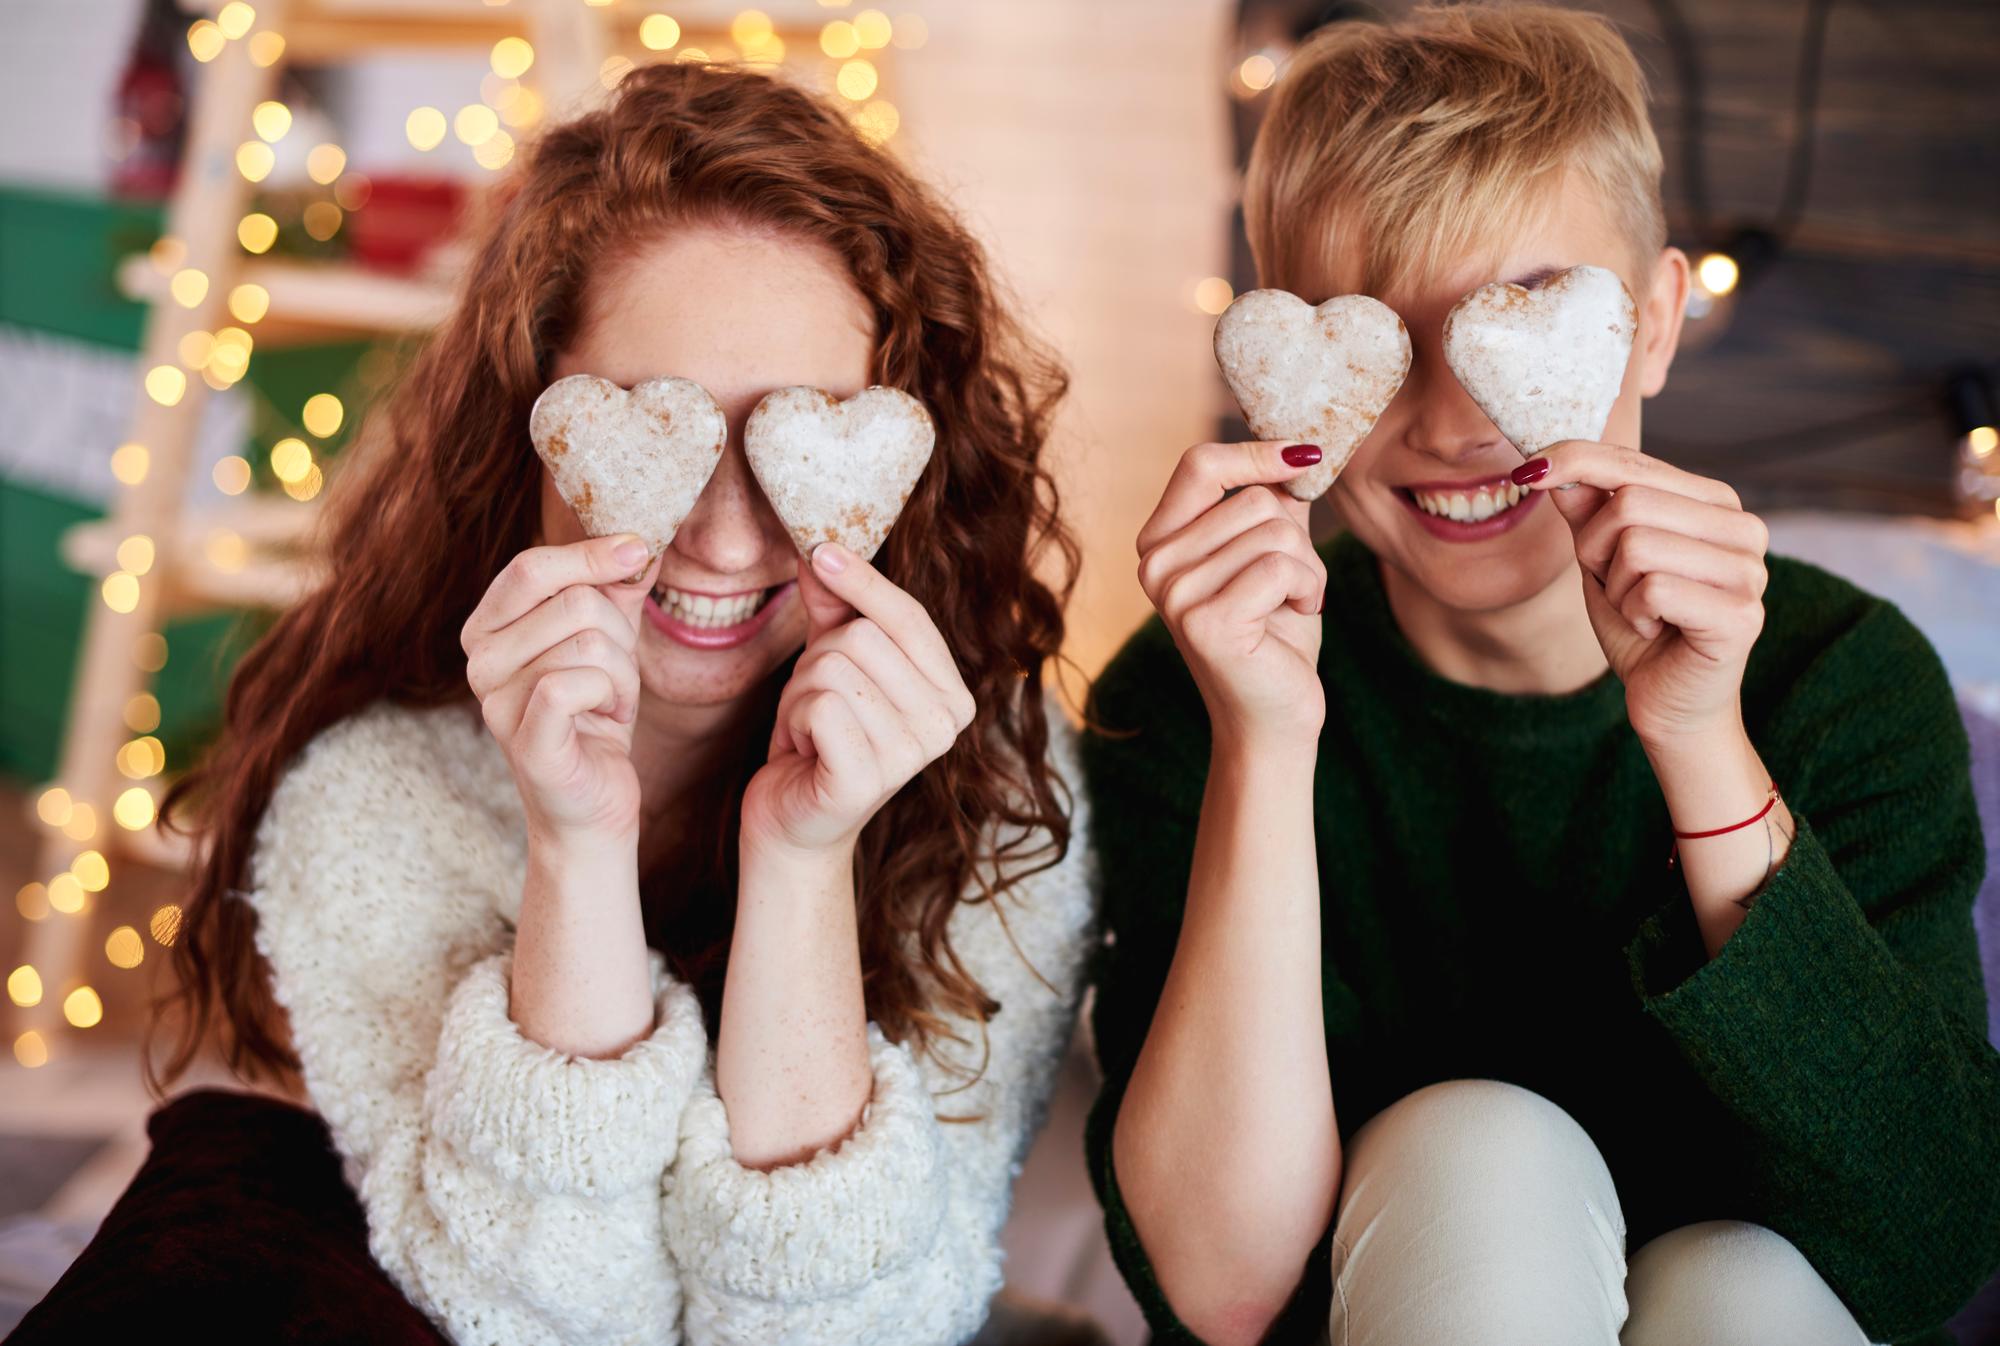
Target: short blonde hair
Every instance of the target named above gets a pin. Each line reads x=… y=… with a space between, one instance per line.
x=1418 y=137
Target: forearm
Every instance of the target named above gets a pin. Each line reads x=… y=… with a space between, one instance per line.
x=1713 y=782
x=791 y=1062
x=1226 y=1150
x=582 y=981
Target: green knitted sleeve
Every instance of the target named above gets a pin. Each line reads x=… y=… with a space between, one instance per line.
x=1843 y=1022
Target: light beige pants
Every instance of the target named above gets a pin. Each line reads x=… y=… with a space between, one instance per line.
x=1476 y=1211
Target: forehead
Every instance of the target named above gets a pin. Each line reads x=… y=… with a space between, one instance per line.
x=740 y=311
x=1565 y=226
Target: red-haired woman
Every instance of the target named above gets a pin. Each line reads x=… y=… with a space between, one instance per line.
x=686 y=958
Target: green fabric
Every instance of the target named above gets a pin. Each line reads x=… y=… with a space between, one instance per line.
x=1497 y=903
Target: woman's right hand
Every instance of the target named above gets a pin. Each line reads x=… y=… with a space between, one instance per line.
x=1240 y=588
x=549 y=653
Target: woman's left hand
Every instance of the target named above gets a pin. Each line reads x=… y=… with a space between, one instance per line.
x=1673 y=577
x=875 y=698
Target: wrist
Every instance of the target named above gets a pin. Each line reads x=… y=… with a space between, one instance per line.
x=793 y=865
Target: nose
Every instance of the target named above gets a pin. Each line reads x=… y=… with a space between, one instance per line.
x=1444 y=423
x=726 y=532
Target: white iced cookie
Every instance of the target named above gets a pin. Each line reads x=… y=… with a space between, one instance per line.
x=838 y=471
x=628 y=462
x=1313 y=375
x=1544 y=364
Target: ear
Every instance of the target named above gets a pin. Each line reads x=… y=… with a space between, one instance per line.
x=1660 y=319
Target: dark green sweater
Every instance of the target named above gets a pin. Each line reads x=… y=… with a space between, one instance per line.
x=1496 y=902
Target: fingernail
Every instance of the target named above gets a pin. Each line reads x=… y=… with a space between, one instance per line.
x=830 y=557
x=1302 y=455
x=629 y=552
x=1532 y=470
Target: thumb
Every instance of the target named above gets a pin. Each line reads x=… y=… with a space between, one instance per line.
x=1578 y=503
x=824 y=608
x=628 y=595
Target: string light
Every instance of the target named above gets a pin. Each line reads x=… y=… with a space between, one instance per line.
x=82 y=1008
x=1212 y=295
x=226 y=552
x=839 y=40
x=475 y=123
x=1718 y=273
x=123 y=948
x=306 y=487
x=877 y=120
x=872 y=29
x=93 y=874
x=511 y=57
x=133 y=808
x=249 y=303
x=1257 y=73
x=66 y=894
x=616 y=68
x=205 y=40
x=495 y=152
x=257 y=232
x=32 y=901
x=231 y=474
x=425 y=128
x=189 y=287
x=255 y=160
x=135 y=554
x=322 y=220
x=324 y=163
x=235 y=19
x=129 y=462
x=659 y=32
x=271 y=120
x=165 y=384
x=30 y=1051
x=149 y=652
x=165 y=925
x=54 y=806
x=142 y=716
x=82 y=822
x=322 y=415
x=265 y=48
x=291 y=459
x=24 y=986
x=857 y=80
x=195 y=348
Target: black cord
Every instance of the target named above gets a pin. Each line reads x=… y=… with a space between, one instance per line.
x=1686 y=55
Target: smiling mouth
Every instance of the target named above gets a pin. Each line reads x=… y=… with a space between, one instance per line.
x=710 y=611
x=1466 y=506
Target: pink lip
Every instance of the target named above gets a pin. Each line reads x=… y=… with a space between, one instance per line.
x=715 y=637
x=1450 y=530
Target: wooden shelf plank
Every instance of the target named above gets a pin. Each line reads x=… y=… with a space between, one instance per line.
x=328 y=295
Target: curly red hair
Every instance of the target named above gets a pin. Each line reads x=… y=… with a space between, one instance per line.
x=447 y=455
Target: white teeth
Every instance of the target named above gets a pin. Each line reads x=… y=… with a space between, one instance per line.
x=707 y=611
x=1481 y=504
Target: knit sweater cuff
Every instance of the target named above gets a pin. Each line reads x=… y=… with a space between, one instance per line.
x=551 y=1122
x=849 y=1215
x=1794 y=961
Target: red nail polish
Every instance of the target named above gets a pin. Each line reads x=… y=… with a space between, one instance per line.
x=1302 y=455
x=1532 y=470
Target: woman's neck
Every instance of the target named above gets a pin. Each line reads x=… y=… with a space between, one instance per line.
x=1543 y=646
x=674 y=749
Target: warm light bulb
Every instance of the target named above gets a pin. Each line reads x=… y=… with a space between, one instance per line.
x=839 y=40
x=271 y=120
x=291 y=459
x=511 y=57
x=205 y=40
x=255 y=160
x=1982 y=440
x=232 y=474
x=189 y=287
x=121 y=591
x=322 y=414
x=872 y=29
x=24 y=986
x=425 y=127
x=1718 y=273
x=165 y=384
x=135 y=554
x=324 y=163
x=475 y=123
x=82 y=1008
x=265 y=48
x=30 y=1050
x=249 y=303
x=133 y=809
x=1213 y=294
x=658 y=32
x=129 y=463
x=857 y=80
x=235 y=19
x=123 y=947
x=257 y=232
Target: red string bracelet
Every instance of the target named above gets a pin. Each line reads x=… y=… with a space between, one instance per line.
x=1769 y=800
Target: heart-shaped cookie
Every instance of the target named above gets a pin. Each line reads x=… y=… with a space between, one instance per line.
x=628 y=462
x=1546 y=364
x=1317 y=375
x=838 y=471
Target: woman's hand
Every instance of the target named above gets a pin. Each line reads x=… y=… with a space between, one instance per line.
x=875 y=698
x=548 y=651
x=1673 y=577
x=1237 y=581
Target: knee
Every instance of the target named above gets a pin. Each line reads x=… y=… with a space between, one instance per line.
x=1478 y=1132
x=1727 y=1281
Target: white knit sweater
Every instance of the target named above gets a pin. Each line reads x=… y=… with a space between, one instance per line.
x=519 y=1194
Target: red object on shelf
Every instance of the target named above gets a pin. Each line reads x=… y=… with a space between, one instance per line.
x=402 y=220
